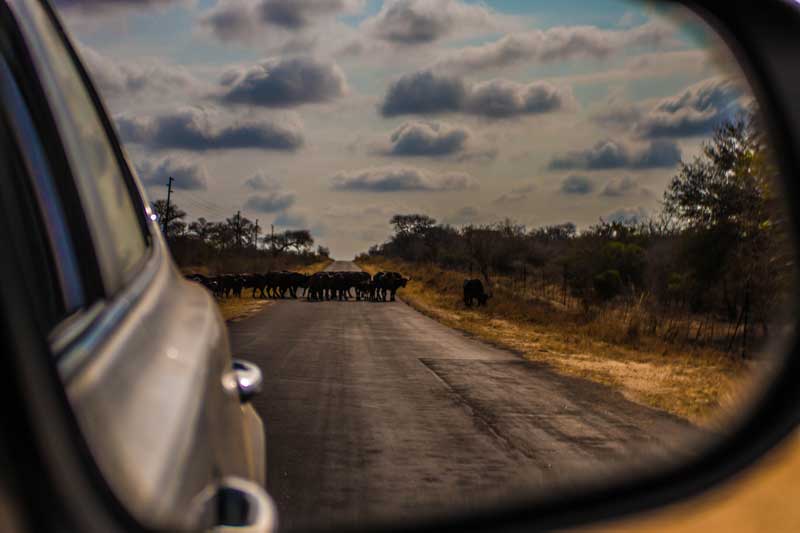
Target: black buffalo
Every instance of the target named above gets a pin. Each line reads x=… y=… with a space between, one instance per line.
x=473 y=290
x=318 y=286
x=387 y=283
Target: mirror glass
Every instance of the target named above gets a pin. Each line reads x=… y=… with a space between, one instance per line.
x=535 y=245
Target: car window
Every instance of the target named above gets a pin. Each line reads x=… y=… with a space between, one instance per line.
x=116 y=227
x=30 y=199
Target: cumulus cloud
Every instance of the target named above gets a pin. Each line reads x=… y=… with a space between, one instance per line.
x=296 y=14
x=242 y=20
x=232 y=20
x=628 y=215
x=608 y=154
x=261 y=182
x=400 y=179
x=272 y=202
x=554 y=44
x=413 y=22
x=193 y=129
x=291 y=219
x=285 y=83
x=432 y=139
x=618 y=116
x=425 y=92
x=621 y=187
x=503 y=98
x=577 y=185
x=695 y=111
x=130 y=79
x=187 y=175
x=518 y=194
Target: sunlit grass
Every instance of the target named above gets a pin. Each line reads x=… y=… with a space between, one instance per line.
x=694 y=383
x=234 y=308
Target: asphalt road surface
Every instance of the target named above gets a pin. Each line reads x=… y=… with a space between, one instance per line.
x=374 y=411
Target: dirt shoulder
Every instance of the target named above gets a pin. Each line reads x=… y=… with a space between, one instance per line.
x=693 y=384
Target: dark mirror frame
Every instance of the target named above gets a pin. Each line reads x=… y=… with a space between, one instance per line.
x=50 y=482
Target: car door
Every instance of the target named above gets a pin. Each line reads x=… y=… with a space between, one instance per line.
x=143 y=354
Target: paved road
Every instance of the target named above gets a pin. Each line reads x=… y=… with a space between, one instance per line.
x=374 y=410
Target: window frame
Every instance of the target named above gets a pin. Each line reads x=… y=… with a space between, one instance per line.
x=113 y=280
x=20 y=64
x=103 y=307
x=27 y=145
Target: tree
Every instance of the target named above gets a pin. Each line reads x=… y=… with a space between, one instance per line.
x=301 y=240
x=559 y=232
x=201 y=228
x=722 y=188
x=241 y=228
x=412 y=224
x=735 y=228
x=483 y=249
x=607 y=285
x=221 y=236
x=172 y=220
x=323 y=251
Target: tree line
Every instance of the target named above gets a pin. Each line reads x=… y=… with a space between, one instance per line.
x=715 y=264
x=235 y=244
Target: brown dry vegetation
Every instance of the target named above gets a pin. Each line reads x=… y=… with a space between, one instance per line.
x=689 y=381
x=234 y=309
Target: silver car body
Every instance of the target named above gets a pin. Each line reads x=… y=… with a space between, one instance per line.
x=150 y=376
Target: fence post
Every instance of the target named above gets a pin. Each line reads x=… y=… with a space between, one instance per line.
x=746 y=312
x=524 y=277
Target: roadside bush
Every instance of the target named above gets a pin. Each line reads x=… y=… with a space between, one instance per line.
x=608 y=285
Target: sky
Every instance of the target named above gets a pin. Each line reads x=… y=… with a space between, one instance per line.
x=334 y=115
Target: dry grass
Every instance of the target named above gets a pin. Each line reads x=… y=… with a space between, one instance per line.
x=693 y=383
x=314 y=267
x=234 y=309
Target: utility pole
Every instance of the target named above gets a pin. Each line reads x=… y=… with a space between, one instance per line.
x=272 y=238
x=165 y=224
x=255 y=237
x=239 y=229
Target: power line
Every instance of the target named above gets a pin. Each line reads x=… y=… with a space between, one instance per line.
x=197 y=197
x=203 y=202
x=217 y=213
x=208 y=207
x=197 y=202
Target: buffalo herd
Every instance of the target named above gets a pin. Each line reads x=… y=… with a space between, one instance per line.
x=320 y=286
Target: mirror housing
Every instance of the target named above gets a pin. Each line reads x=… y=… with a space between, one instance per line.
x=248 y=379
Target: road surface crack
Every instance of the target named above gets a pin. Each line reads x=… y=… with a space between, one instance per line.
x=483 y=421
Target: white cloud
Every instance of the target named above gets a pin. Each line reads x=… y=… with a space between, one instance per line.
x=401 y=179
x=554 y=44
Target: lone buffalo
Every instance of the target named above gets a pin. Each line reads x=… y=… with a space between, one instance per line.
x=473 y=290
x=388 y=283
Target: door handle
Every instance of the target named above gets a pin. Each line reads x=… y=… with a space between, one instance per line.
x=244 y=507
x=247 y=380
